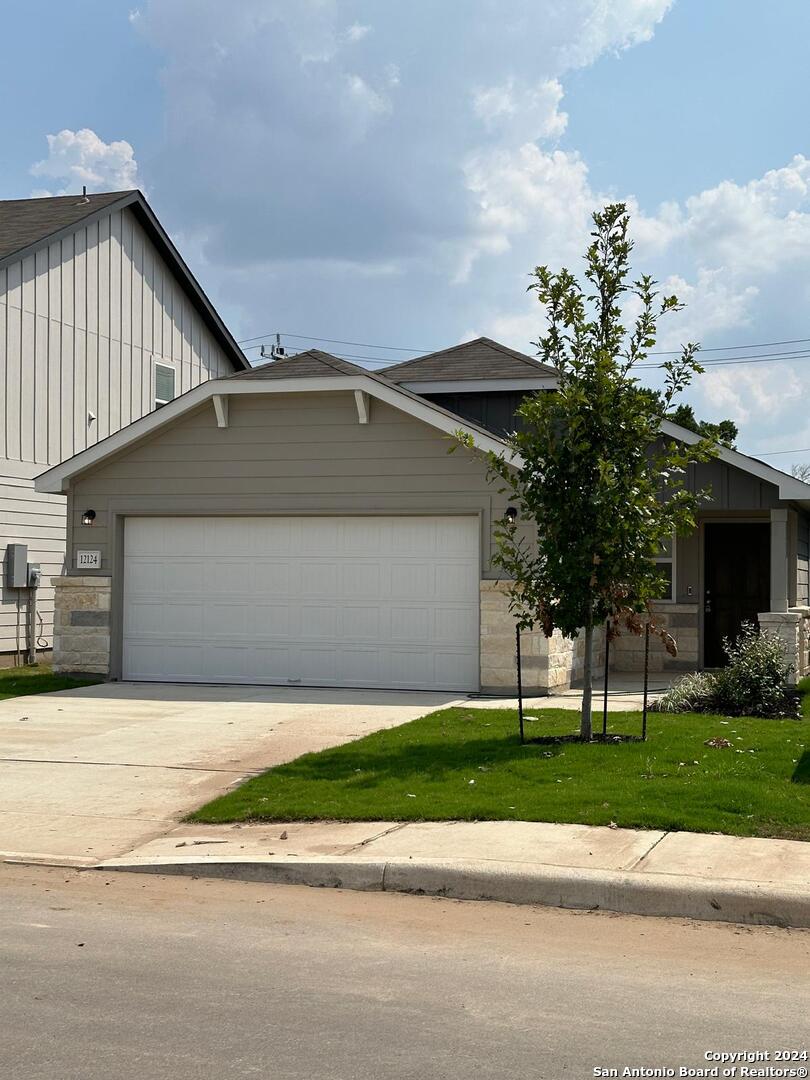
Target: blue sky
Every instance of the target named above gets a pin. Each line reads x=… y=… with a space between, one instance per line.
x=390 y=173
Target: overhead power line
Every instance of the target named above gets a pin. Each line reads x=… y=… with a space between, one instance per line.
x=337 y=341
x=713 y=361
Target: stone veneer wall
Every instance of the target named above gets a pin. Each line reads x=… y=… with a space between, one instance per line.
x=627 y=651
x=81 y=632
x=793 y=628
x=548 y=664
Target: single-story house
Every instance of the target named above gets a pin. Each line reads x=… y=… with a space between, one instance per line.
x=303 y=523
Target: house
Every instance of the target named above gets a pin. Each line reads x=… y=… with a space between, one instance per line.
x=101 y=322
x=303 y=523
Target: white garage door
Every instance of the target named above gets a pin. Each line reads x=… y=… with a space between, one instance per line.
x=330 y=601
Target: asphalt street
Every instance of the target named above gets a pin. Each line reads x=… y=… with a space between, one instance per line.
x=123 y=975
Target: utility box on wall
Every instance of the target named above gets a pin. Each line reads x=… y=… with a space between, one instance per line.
x=17 y=566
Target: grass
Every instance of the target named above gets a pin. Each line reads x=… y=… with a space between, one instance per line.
x=36 y=679
x=468 y=764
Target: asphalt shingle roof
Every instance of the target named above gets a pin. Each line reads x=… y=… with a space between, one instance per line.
x=28 y=221
x=482 y=358
x=303 y=365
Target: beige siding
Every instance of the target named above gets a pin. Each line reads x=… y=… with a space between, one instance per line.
x=302 y=453
x=27 y=517
x=82 y=322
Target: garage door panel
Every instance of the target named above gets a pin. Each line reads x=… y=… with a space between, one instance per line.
x=144 y=576
x=411 y=625
x=270 y=664
x=452 y=583
x=454 y=669
x=273 y=620
x=319 y=621
x=362 y=579
x=382 y=601
x=412 y=579
x=454 y=534
x=360 y=623
x=186 y=577
x=273 y=577
x=320 y=578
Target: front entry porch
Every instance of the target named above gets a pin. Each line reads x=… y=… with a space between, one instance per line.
x=735 y=568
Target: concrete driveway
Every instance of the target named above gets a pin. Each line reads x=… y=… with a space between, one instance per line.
x=91 y=773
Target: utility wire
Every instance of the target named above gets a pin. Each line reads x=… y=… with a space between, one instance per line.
x=337 y=341
x=776 y=453
x=405 y=348
x=719 y=361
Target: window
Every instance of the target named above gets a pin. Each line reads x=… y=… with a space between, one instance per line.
x=665 y=564
x=164 y=384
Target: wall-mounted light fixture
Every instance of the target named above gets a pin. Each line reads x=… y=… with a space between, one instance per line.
x=511 y=514
x=88 y=517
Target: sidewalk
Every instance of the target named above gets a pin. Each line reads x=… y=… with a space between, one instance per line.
x=625 y=694
x=689 y=875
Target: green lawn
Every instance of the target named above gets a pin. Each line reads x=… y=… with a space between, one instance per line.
x=468 y=764
x=37 y=679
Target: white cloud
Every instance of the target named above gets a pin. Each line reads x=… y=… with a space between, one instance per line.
x=743 y=393
x=609 y=25
x=81 y=158
x=356 y=32
x=527 y=194
x=522 y=113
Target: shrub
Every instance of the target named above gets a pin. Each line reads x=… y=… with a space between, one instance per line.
x=692 y=693
x=753 y=684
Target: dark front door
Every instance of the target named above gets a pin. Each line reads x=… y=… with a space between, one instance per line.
x=737 y=583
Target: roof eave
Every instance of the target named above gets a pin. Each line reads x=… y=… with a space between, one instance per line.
x=57 y=480
x=790 y=488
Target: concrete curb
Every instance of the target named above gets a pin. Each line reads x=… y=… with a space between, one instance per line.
x=717 y=900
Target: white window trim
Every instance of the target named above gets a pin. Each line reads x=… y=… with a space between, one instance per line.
x=168 y=366
x=663 y=560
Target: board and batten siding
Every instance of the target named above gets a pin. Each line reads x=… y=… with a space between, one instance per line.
x=82 y=322
x=287 y=454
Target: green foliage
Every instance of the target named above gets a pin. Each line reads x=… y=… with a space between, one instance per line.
x=599 y=490
x=37 y=679
x=692 y=693
x=753 y=684
x=725 y=432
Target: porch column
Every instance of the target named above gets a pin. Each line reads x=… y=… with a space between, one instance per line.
x=779 y=560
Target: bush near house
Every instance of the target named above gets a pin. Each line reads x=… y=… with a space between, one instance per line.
x=753 y=684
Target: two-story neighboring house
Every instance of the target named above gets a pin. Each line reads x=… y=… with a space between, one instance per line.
x=101 y=322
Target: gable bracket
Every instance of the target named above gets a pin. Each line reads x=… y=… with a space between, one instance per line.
x=221 y=409
x=361 y=400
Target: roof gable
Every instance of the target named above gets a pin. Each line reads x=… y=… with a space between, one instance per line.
x=26 y=225
x=482 y=358
x=303 y=365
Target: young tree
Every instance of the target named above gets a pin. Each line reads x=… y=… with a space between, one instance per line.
x=598 y=489
x=802 y=472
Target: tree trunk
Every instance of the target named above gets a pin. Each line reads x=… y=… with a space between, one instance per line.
x=587 y=691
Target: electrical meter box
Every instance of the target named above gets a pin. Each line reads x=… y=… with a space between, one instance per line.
x=34 y=575
x=17 y=566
